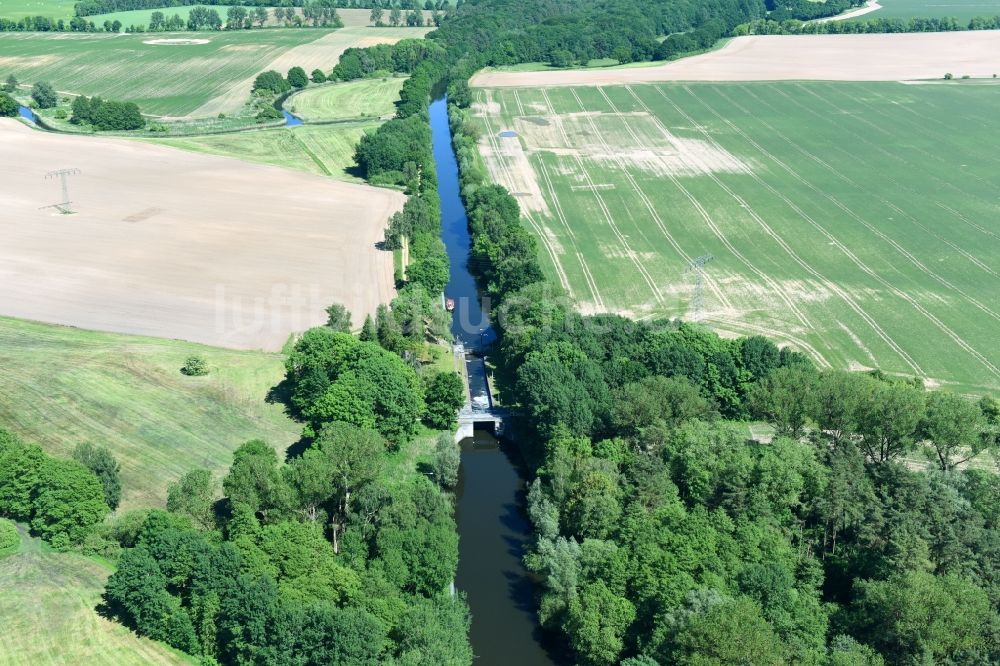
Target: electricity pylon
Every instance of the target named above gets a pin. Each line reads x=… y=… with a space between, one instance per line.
x=697 y=266
x=64 y=207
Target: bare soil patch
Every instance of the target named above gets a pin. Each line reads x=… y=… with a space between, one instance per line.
x=182 y=245
x=28 y=61
x=891 y=57
x=176 y=42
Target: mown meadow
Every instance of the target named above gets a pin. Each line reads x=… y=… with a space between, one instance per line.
x=371 y=98
x=849 y=220
x=49 y=611
x=62 y=386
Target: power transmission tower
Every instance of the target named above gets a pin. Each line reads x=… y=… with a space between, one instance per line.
x=64 y=207
x=697 y=266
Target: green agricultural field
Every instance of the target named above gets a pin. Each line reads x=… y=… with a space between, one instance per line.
x=141 y=16
x=62 y=386
x=855 y=221
x=337 y=101
x=963 y=10
x=176 y=80
x=48 y=609
x=319 y=149
x=53 y=9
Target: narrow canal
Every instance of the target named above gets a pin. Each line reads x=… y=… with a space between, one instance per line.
x=493 y=533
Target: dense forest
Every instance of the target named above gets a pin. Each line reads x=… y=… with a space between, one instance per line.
x=92 y=7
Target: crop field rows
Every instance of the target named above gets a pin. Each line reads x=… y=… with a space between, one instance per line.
x=177 y=80
x=849 y=220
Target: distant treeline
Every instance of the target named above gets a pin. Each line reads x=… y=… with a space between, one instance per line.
x=874 y=25
x=805 y=10
x=506 y=32
x=92 y=7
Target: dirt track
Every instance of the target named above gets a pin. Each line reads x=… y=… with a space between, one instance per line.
x=891 y=57
x=181 y=245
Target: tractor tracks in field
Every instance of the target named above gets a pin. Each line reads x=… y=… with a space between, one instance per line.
x=833 y=170
x=646 y=201
x=776 y=288
x=884 y=152
x=840 y=205
x=609 y=219
x=560 y=214
x=864 y=267
x=539 y=231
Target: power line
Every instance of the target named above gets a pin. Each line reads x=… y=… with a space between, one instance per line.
x=697 y=266
x=65 y=206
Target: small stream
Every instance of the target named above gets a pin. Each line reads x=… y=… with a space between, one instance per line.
x=27 y=113
x=493 y=532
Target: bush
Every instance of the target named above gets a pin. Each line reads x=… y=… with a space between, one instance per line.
x=318 y=76
x=118 y=116
x=948 y=77
x=195 y=366
x=447 y=459
x=8 y=105
x=271 y=81
x=44 y=95
x=297 y=77
x=445 y=394
x=106 y=115
x=9 y=538
x=269 y=113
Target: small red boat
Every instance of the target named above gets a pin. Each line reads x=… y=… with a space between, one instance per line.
x=449 y=304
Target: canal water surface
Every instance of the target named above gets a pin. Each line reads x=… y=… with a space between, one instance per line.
x=493 y=533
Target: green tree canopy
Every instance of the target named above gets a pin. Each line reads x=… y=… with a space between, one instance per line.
x=44 y=95
x=98 y=459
